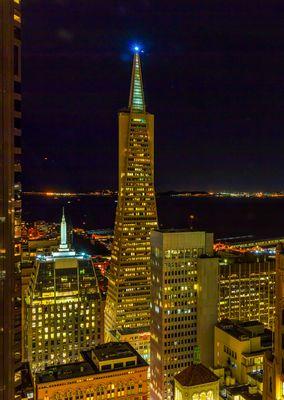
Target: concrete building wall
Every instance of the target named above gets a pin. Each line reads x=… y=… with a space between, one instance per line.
x=241 y=355
x=228 y=352
x=207 y=307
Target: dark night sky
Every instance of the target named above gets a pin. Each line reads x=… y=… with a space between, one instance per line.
x=213 y=76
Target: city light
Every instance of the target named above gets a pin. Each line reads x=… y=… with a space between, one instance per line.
x=124 y=306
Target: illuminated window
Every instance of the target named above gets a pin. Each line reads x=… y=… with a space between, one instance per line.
x=120 y=390
x=17 y=18
x=79 y=394
x=100 y=392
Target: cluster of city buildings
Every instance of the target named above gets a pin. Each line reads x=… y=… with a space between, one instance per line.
x=179 y=320
x=97 y=193
x=256 y=195
x=110 y=193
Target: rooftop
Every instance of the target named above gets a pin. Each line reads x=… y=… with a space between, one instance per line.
x=196 y=374
x=62 y=255
x=246 y=330
x=176 y=230
x=256 y=353
x=107 y=351
x=65 y=371
x=246 y=392
x=257 y=375
x=113 y=351
x=231 y=257
x=131 y=331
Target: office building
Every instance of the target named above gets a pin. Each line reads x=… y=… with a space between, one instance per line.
x=40 y=238
x=30 y=250
x=10 y=198
x=128 y=297
x=63 y=307
x=109 y=371
x=240 y=347
x=273 y=383
x=247 y=288
x=183 y=269
x=196 y=382
x=241 y=392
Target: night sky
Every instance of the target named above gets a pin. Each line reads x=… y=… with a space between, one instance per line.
x=213 y=76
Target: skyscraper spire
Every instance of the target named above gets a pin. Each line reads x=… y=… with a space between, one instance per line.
x=136 y=97
x=63 y=234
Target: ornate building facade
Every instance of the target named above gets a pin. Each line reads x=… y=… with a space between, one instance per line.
x=109 y=371
x=196 y=382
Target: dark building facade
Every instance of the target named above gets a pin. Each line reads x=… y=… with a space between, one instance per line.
x=10 y=202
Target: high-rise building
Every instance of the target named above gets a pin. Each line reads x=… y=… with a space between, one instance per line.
x=273 y=379
x=247 y=288
x=108 y=371
x=30 y=249
x=63 y=307
x=183 y=269
x=127 y=314
x=10 y=203
x=240 y=347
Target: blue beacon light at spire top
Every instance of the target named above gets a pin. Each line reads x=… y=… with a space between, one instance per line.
x=137 y=48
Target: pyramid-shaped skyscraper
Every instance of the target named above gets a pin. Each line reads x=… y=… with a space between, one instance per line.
x=127 y=313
